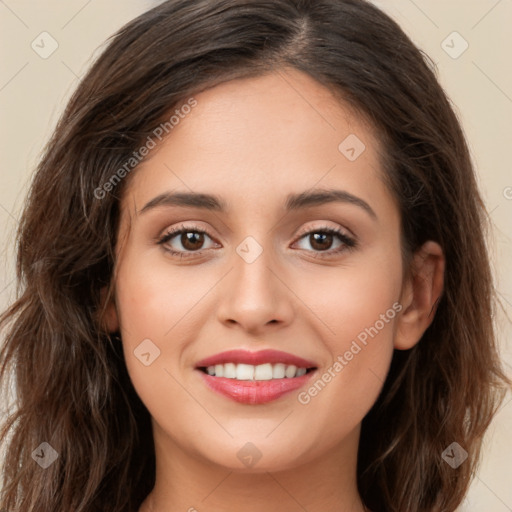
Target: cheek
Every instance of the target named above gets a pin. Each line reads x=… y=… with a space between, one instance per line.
x=165 y=306
x=340 y=396
x=149 y=309
x=344 y=303
x=358 y=320
x=346 y=313
x=152 y=301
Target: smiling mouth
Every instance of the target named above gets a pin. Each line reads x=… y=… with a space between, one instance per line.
x=261 y=372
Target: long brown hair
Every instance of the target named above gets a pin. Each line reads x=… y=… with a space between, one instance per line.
x=72 y=387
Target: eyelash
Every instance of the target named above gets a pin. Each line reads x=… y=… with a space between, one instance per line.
x=348 y=242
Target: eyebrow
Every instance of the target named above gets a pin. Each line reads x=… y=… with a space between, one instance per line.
x=293 y=202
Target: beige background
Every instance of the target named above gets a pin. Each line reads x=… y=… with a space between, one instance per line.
x=33 y=91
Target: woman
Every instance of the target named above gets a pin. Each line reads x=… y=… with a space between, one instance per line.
x=253 y=273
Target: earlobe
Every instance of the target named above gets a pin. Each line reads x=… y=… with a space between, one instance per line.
x=109 y=318
x=420 y=295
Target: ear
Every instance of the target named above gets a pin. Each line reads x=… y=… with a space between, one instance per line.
x=109 y=320
x=421 y=293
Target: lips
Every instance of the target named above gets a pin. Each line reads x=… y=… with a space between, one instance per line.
x=244 y=376
x=256 y=358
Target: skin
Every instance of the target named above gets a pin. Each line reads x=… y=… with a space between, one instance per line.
x=252 y=142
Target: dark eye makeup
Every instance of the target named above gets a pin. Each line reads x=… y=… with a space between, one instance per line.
x=318 y=236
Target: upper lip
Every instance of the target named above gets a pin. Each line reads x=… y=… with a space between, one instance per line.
x=255 y=358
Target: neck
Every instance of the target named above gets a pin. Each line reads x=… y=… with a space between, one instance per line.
x=189 y=483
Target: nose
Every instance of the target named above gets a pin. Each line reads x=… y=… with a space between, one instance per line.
x=255 y=296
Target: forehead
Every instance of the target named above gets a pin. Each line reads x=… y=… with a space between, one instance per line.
x=255 y=140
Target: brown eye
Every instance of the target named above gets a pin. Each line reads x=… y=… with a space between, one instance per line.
x=185 y=241
x=321 y=241
x=324 y=240
x=192 y=240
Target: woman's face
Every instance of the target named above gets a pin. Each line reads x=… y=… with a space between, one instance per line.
x=269 y=166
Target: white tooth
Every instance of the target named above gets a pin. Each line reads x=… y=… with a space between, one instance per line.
x=263 y=372
x=278 y=371
x=230 y=370
x=244 y=371
x=290 y=371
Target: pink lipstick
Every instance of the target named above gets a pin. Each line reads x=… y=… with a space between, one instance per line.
x=255 y=377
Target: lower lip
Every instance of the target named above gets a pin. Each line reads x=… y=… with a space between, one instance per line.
x=254 y=391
